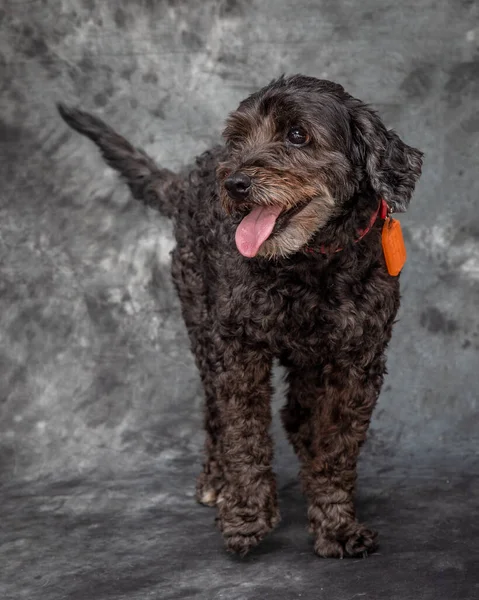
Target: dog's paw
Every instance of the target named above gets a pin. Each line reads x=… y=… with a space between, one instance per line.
x=207 y=496
x=243 y=527
x=238 y=542
x=208 y=488
x=354 y=541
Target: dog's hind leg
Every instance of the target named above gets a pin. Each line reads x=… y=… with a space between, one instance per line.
x=155 y=187
x=211 y=480
x=191 y=288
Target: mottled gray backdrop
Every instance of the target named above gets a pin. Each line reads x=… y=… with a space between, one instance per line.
x=100 y=404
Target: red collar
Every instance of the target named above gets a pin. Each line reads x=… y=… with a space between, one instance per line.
x=381 y=211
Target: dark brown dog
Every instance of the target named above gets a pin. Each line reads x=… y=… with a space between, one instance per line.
x=297 y=187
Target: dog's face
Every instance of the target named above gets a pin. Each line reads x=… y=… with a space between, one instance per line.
x=299 y=150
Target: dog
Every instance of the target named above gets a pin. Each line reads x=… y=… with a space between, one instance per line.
x=279 y=256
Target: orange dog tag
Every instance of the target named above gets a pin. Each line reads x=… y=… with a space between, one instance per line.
x=393 y=246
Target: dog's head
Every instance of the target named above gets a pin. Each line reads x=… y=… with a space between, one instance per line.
x=298 y=151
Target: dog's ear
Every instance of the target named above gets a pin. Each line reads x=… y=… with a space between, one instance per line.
x=392 y=166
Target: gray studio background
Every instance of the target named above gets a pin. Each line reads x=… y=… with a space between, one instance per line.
x=100 y=403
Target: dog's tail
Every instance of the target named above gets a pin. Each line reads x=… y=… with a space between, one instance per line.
x=148 y=183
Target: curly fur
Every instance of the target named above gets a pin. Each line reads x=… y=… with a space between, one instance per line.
x=327 y=317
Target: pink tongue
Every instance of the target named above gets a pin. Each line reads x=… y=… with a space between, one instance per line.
x=255 y=228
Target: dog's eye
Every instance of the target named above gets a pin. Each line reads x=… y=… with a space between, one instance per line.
x=298 y=136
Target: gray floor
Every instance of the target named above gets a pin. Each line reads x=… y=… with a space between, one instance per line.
x=100 y=410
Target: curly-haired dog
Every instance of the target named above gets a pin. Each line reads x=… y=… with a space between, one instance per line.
x=279 y=255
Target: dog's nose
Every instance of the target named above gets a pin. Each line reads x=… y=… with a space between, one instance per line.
x=238 y=185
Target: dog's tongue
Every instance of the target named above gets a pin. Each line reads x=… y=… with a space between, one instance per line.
x=255 y=228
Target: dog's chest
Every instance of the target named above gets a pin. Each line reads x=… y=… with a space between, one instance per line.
x=285 y=314
x=309 y=316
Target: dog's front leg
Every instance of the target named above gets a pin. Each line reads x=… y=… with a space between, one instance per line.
x=327 y=417
x=247 y=506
